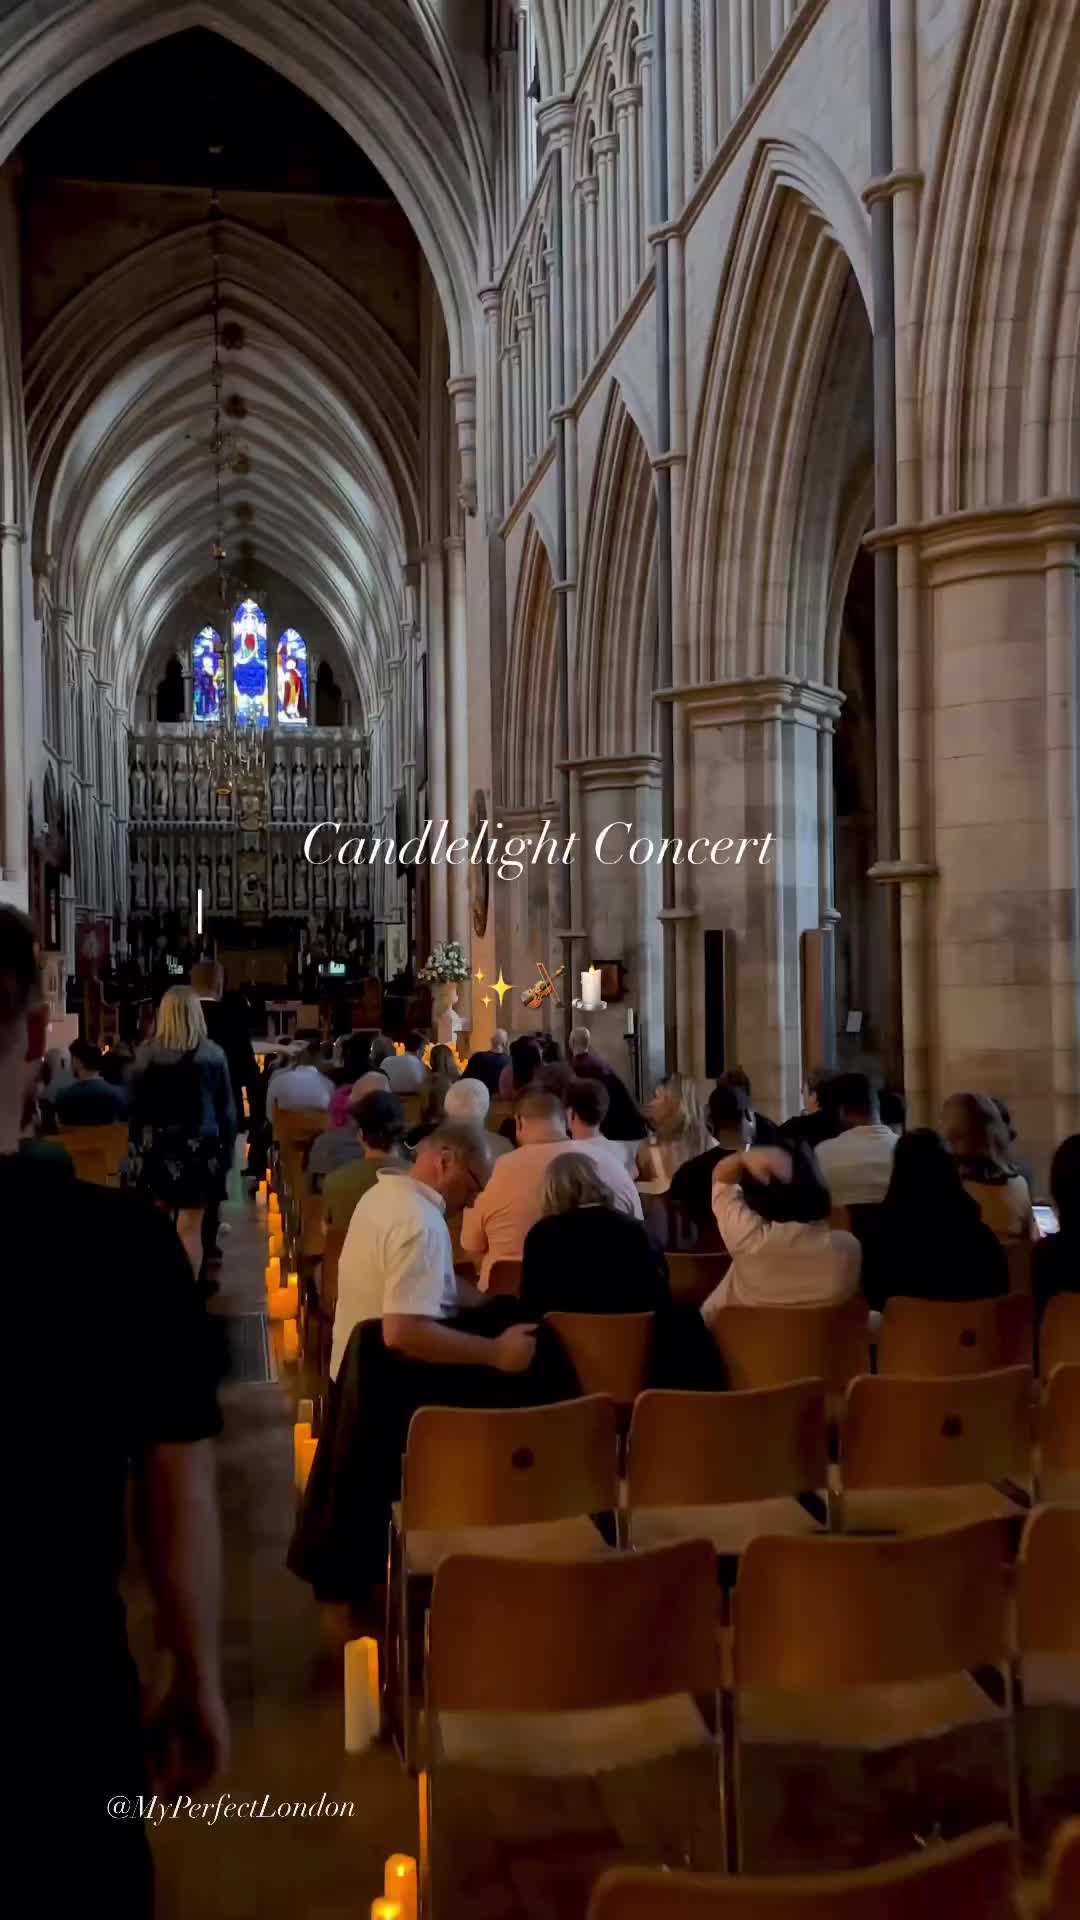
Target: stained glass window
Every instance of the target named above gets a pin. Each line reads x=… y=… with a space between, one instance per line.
x=249 y=665
x=207 y=675
x=292 y=679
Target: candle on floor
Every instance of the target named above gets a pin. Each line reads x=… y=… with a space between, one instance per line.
x=307 y=1461
x=361 y=1694
x=305 y=1410
x=290 y=1341
x=260 y=1194
x=275 y=1246
x=630 y=1023
x=282 y=1303
x=590 y=990
x=383 y=1909
x=301 y=1436
x=399 y=1883
x=273 y=1273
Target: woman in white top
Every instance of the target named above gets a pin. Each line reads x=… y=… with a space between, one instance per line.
x=679 y=1133
x=772 y=1208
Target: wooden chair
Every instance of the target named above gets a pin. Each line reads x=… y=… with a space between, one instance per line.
x=608 y=1351
x=295 y=1129
x=924 y=1453
x=1063 y=1871
x=950 y=1336
x=1019 y=1255
x=412 y=1106
x=498 y=1112
x=1048 y=1608
x=871 y=1643
x=504 y=1276
x=97 y=1153
x=1059 y=1333
x=1059 y=1436
x=694 y=1275
x=771 y=1346
x=725 y=1466
x=565 y=1670
x=966 y=1879
x=513 y=1481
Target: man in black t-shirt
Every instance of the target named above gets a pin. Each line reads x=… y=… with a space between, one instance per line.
x=123 y=1386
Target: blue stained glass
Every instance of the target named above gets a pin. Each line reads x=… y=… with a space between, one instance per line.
x=207 y=675
x=249 y=665
x=292 y=679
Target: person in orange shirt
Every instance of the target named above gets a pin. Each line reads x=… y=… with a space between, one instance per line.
x=494 y=1227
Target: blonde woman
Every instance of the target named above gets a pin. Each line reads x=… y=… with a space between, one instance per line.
x=587 y=1253
x=183 y=1120
x=678 y=1132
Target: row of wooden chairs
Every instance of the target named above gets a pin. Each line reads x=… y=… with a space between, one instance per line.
x=973 y=1877
x=729 y=1468
x=98 y=1154
x=846 y=1644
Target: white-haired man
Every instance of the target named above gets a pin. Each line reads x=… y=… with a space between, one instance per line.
x=468 y=1102
x=487 y=1064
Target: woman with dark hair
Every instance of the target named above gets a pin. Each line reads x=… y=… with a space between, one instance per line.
x=586 y=1253
x=772 y=1208
x=978 y=1137
x=1057 y=1257
x=930 y=1240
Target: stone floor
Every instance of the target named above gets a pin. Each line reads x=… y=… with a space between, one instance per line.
x=283 y=1677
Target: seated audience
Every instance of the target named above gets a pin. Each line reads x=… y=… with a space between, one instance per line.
x=892 y=1110
x=378 y=1126
x=731 y=1123
x=382 y=1049
x=406 y=1072
x=857 y=1162
x=443 y=1073
x=586 y=1253
x=978 y=1137
x=679 y=1133
x=929 y=1240
x=117 y=1064
x=817 y=1120
x=397 y=1266
x=494 y=1226
x=340 y=1145
x=1056 y=1267
x=87 y=1100
x=1022 y=1166
x=467 y=1103
x=487 y=1063
x=32 y=1144
x=766 y=1132
x=586 y=1103
x=521 y=1068
x=772 y=1208
x=299 y=1084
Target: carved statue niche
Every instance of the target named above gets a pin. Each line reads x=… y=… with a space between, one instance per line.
x=224 y=880
x=318 y=782
x=183 y=879
x=300 y=881
x=280 y=880
x=161 y=883
x=138 y=786
x=299 y=789
x=359 y=787
x=202 y=874
x=339 y=787
x=202 y=794
x=341 y=887
x=224 y=807
x=321 y=897
x=160 y=785
x=180 y=786
x=139 y=879
x=278 y=786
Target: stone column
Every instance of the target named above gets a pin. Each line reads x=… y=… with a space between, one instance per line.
x=591 y=278
x=621 y=903
x=627 y=115
x=1002 y=625
x=606 y=150
x=457 y=725
x=13 y=848
x=754 y=767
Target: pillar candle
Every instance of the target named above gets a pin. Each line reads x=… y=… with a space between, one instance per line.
x=307 y=1461
x=273 y=1273
x=260 y=1195
x=630 y=1021
x=301 y=1434
x=361 y=1694
x=290 y=1341
x=590 y=989
x=275 y=1246
x=399 y=1883
x=305 y=1410
x=383 y=1909
x=283 y=1303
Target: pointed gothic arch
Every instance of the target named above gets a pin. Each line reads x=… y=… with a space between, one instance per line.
x=616 y=654
x=532 y=682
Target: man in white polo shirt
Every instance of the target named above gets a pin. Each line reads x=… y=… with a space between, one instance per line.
x=397 y=1264
x=857 y=1164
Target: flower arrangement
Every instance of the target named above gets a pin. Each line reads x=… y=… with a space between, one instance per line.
x=445 y=964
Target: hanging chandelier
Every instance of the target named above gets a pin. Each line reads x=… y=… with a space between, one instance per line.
x=233 y=755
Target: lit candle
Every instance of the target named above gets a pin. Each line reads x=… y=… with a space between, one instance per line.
x=274 y=1205
x=361 y=1694
x=630 y=1022
x=260 y=1194
x=275 y=1246
x=307 y=1461
x=273 y=1273
x=305 y=1410
x=399 y=1883
x=301 y=1436
x=290 y=1341
x=283 y=1303
x=590 y=989
x=383 y=1909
